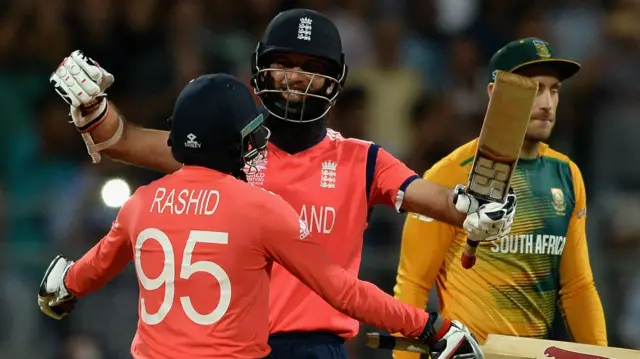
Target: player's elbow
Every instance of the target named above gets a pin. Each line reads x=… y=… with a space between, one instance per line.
x=345 y=302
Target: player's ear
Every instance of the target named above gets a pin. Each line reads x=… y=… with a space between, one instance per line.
x=490 y=89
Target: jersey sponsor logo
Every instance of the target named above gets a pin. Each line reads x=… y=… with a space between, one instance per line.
x=328 y=174
x=581 y=213
x=558 y=201
x=191 y=141
x=545 y=244
x=319 y=219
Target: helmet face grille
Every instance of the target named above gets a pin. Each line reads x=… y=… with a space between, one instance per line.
x=312 y=106
x=299 y=32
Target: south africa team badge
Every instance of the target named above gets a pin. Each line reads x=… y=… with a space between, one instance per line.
x=558 y=201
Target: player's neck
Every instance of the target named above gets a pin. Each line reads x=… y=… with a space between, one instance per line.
x=294 y=137
x=530 y=149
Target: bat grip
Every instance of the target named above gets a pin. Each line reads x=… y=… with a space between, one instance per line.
x=469 y=254
x=389 y=342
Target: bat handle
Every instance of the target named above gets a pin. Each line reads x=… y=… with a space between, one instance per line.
x=389 y=342
x=469 y=254
x=372 y=340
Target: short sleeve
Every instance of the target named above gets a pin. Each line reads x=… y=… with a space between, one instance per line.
x=387 y=178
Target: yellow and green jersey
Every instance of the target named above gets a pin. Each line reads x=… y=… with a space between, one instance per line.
x=518 y=280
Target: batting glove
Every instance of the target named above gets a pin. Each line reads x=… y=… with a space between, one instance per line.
x=54 y=299
x=489 y=221
x=81 y=82
x=448 y=339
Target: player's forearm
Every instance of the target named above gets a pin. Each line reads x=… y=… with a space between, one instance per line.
x=360 y=300
x=369 y=304
x=97 y=267
x=585 y=316
x=432 y=200
x=138 y=146
x=580 y=300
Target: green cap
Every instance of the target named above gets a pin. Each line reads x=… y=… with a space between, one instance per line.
x=527 y=52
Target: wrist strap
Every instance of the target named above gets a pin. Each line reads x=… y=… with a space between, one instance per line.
x=436 y=328
x=95 y=149
x=101 y=107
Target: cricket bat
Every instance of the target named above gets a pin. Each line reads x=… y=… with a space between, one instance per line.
x=510 y=347
x=505 y=125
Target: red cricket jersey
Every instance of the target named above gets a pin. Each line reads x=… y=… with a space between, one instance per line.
x=333 y=186
x=203 y=245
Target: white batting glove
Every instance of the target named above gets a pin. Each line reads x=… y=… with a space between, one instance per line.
x=458 y=342
x=81 y=82
x=54 y=299
x=485 y=222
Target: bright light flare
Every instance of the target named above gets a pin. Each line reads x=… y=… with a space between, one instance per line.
x=115 y=192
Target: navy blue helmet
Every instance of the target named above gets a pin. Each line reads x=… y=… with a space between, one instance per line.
x=300 y=32
x=217 y=124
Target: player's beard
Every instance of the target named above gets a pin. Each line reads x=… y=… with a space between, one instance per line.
x=539 y=132
x=293 y=137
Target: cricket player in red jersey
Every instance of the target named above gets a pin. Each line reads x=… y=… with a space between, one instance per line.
x=332 y=182
x=204 y=242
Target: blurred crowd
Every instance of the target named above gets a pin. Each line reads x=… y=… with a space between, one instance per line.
x=416 y=85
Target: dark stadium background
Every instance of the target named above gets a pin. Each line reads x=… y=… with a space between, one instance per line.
x=416 y=86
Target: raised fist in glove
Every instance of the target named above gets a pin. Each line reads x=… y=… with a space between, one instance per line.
x=450 y=339
x=54 y=299
x=81 y=83
x=486 y=221
x=79 y=80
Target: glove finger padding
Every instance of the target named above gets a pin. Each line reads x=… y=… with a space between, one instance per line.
x=82 y=60
x=82 y=77
x=80 y=81
x=493 y=220
x=482 y=230
x=63 y=90
x=98 y=75
x=73 y=76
